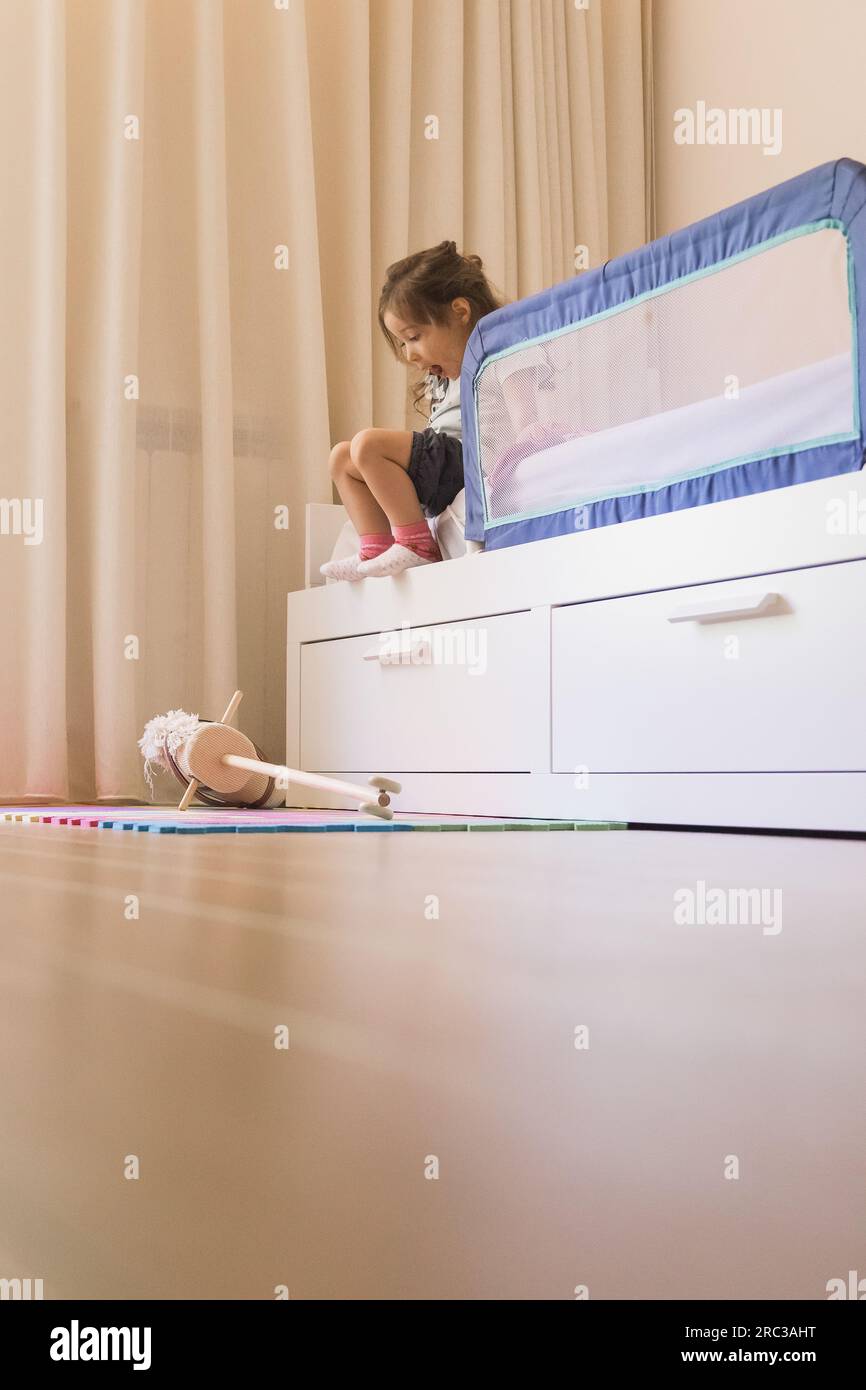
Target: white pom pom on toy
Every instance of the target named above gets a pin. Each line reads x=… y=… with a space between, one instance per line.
x=163 y=735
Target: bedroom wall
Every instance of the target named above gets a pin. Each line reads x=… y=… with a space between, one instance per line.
x=804 y=59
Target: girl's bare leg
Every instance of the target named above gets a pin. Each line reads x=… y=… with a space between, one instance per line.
x=382 y=458
x=364 y=511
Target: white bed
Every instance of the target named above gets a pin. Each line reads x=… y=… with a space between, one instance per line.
x=702 y=666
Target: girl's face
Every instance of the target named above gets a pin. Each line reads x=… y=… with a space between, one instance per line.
x=434 y=347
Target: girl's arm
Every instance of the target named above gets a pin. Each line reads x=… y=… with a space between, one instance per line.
x=519 y=394
x=521 y=376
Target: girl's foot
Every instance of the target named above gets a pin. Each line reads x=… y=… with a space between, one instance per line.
x=394 y=561
x=342 y=569
x=414 y=544
x=373 y=544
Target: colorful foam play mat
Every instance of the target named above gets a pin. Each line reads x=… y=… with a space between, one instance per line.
x=167 y=820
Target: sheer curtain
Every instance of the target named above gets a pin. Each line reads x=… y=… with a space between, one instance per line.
x=200 y=201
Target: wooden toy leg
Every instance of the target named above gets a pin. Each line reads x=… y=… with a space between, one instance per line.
x=315 y=779
x=193 y=785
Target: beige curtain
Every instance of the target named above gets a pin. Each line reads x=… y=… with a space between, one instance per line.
x=200 y=198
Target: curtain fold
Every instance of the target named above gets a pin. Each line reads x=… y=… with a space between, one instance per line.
x=216 y=480
x=102 y=352
x=33 y=429
x=202 y=198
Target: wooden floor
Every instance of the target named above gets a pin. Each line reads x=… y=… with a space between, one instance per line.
x=417 y=1037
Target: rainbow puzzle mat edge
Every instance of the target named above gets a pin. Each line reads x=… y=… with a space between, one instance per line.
x=201 y=820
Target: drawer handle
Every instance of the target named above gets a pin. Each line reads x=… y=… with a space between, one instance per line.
x=718 y=609
x=399 y=655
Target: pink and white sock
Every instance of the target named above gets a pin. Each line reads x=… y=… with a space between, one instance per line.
x=419 y=538
x=373 y=543
x=413 y=545
x=347 y=568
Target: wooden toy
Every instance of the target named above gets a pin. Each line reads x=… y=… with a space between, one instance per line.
x=221 y=766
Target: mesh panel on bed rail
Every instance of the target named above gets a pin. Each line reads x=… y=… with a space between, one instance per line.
x=744 y=360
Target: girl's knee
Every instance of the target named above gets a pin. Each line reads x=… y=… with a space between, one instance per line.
x=365 y=444
x=339 y=459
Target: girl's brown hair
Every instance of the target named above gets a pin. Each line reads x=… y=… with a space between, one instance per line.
x=421 y=287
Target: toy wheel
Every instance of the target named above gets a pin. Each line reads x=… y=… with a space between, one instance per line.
x=370 y=808
x=384 y=784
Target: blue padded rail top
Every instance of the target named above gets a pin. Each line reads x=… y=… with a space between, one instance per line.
x=830 y=196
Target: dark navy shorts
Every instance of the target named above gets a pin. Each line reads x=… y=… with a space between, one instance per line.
x=436 y=469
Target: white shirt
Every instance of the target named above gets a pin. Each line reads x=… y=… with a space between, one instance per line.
x=444 y=393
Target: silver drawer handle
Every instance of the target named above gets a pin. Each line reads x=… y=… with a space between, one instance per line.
x=393 y=655
x=717 y=609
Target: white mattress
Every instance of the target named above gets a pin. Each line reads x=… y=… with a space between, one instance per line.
x=448 y=528
x=808 y=404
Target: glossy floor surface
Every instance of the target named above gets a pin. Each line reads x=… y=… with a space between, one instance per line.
x=518 y=1065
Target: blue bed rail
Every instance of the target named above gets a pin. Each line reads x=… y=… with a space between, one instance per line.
x=832 y=195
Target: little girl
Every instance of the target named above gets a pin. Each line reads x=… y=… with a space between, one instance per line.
x=391 y=480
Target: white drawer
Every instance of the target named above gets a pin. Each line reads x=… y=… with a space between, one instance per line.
x=715 y=691
x=450 y=697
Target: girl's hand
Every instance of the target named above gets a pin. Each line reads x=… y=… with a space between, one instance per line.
x=545 y=436
x=531 y=440
x=531 y=434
